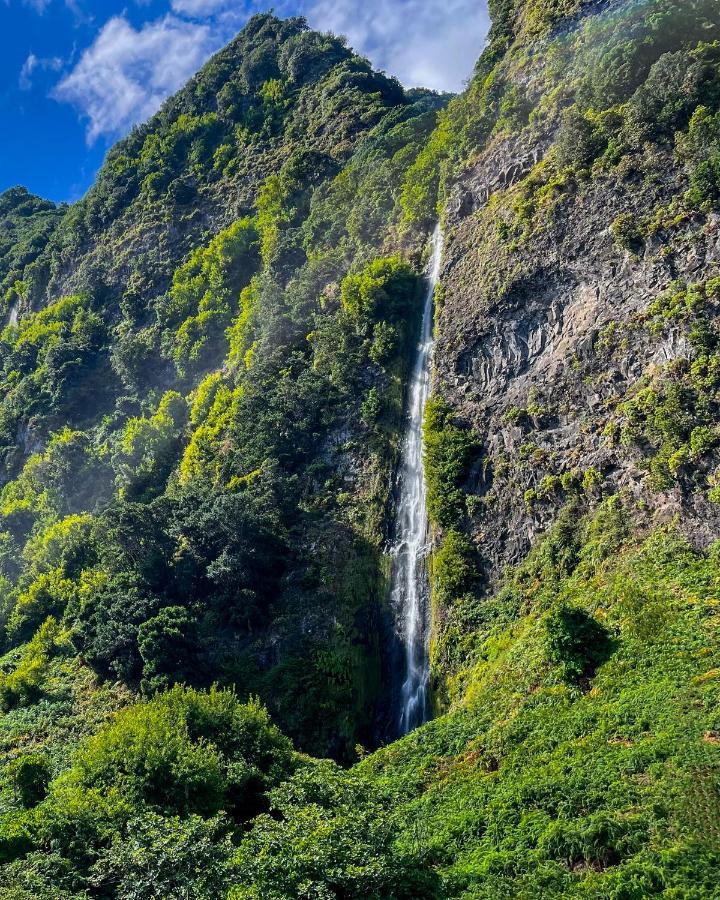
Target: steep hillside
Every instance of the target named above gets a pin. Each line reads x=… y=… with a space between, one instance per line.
x=199 y=401
x=204 y=372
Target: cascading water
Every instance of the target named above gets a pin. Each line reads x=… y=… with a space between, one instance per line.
x=409 y=582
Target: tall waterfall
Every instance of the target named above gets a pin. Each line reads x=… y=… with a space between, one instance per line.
x=409 y=583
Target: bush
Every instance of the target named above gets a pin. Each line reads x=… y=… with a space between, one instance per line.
x=579 y=142
x=106 y=631
x=576 y=642
x=167 y=857
x=30 y=776
x=24 y=685
x=185 y=753
x=330 y=836
x=627 y=233
x=705 y=183
x=453 y=567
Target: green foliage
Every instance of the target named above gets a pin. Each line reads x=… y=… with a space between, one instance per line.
x=330 y=836
x=25 y=683
x=699 y=148
x=184 y=753
x=272 y=214
x=371 y=407
x=627 y=232
x=150 y=448
x=422 y=181
x=198 y=566
x=705 y=183
x=197 y=459
x=448 y=452
x=453 y=568
x=576 y=642
x=166 y=857
x=543 y=789
x=204 y=295
x=166 y=644
x=580 y=140
x=384 y=289
x=108 y=620
x=30 y=776
x=47 y=595
x=53 y=360
x=28 y=223
x=672 y=418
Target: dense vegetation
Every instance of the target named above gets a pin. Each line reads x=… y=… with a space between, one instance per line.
x=197 y=448
x=203 y=369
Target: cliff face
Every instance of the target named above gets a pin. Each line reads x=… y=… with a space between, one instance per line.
x=579 y=274
x=544 y=344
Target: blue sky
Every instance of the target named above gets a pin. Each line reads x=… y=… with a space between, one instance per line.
x=75 y=75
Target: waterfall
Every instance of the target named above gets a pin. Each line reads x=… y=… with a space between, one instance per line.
x=410 y=592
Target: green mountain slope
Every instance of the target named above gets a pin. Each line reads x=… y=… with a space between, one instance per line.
x=198 y=422
x=203 y=375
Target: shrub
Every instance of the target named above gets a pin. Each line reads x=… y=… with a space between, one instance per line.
x=422 y=180
x=677 y=84
x=203 y=298
x=453 y=567
x=24 y=685
x=579 y=140
x=705 y=183
x=167 y=857
x=30 y=776
x=627 y=233
x=106 y=630
x=185 y=752
x=371 y=408
x=330 y=836
x=576 y=642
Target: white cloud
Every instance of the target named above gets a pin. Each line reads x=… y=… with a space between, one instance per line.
x=33 y=64
x=124 y=76
x=422 y=42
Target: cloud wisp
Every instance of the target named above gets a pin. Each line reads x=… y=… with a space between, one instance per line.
x=124 y=76
x=34 y=64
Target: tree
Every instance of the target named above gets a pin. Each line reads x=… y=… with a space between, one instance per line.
x=167 y=644
x=384 y=289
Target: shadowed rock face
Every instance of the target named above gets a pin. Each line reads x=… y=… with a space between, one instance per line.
x=553 y=323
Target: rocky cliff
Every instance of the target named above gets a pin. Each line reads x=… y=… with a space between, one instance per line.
x=579 y=275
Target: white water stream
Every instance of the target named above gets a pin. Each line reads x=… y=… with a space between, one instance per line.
x=409 y=582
